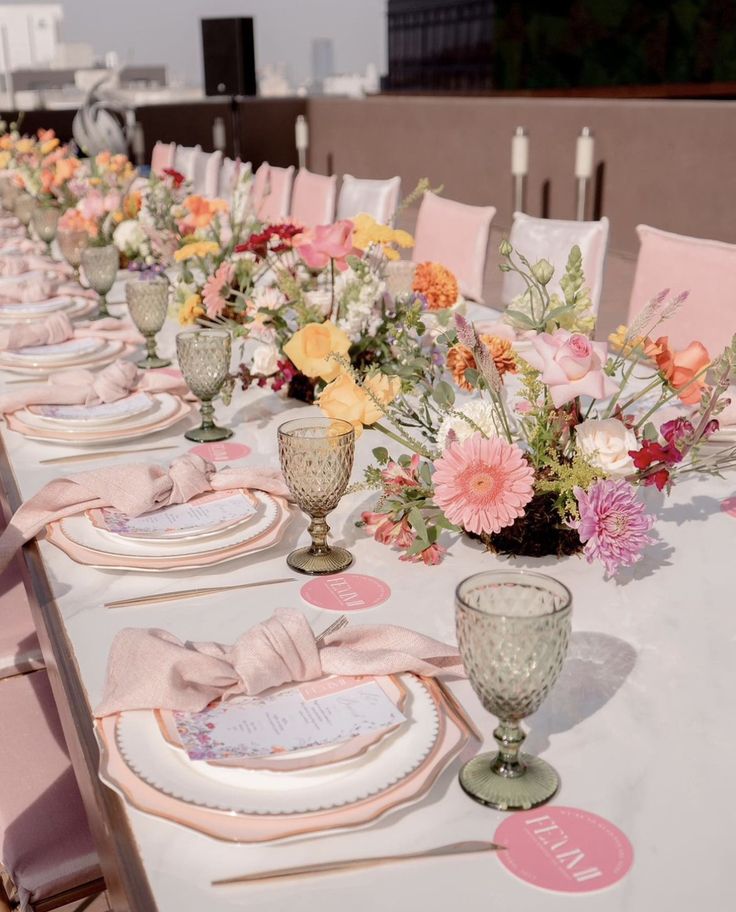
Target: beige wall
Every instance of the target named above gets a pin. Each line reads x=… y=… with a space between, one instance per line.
x=665 y=163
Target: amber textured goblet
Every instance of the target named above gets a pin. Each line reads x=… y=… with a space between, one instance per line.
x=148 y=302
x=72 y=244
x=204 y=359
x=101 y=269
x=513 y=629
x=317 y=459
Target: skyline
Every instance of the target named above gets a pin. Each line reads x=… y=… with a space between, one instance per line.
x=357 y=28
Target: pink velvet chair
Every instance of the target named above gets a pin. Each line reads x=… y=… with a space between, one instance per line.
x=313 y=199
x=260 y=185
x=707 y=269
x=455 y=235
x=378 y=198
x=162 y=157
x=275 y=200
x=19 y=649
x=552 y=239
x=46 y=848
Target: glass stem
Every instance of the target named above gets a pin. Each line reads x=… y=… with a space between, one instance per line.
x=207 y=410
x=151 y=345
x=104 y=312
x=318 y=529
x=509 y=737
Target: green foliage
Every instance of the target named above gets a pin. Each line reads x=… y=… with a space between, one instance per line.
x=561 y=477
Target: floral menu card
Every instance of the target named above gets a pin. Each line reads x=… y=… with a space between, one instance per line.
x=210 y=513
x=314 y=715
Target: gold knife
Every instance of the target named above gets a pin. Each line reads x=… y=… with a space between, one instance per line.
x=192 y=593
x=328 y=867
x=103 y=454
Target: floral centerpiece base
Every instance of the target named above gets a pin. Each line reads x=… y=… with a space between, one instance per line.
x=538 y=533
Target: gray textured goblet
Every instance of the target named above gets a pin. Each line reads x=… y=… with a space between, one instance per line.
x=45 y=220
x=204 y=359
x=513 y=629
x=148 y=302
x=100 y=266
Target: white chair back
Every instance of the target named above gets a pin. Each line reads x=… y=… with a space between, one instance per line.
x=184 y=160
x=379 y=198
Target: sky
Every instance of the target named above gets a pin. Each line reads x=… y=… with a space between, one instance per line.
x=167 y=31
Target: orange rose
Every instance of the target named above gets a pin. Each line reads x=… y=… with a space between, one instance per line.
x=681 y=368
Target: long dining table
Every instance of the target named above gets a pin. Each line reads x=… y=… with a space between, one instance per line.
x=638 y=725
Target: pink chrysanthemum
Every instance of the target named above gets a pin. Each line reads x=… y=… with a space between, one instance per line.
x=212 y=296
x=612 y=525
x=482 y=484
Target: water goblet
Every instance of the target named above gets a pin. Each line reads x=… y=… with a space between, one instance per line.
x=45 y=219
x=316 y=459
x=204 y=359
x=513 y=629
x=101 y=269
x=71 y=244
x=148 y=302
x=23 y=208
x=10 y=191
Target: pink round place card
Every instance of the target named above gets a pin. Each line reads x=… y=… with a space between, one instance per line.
x=221 y=452
x=729 y=506
x=563 y=849
x=345 y=592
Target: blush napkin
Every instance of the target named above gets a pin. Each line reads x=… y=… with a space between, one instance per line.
x=14 y=265
x=27 y=289
x=153 y=669
x=132 y=488
x=57 y=327
x=83 y=387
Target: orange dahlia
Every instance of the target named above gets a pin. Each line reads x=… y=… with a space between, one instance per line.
x=460 y=358
x=436 y=284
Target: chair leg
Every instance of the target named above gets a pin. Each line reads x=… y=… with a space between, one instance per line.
x=4 y=901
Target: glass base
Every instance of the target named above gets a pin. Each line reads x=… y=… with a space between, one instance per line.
x=303 y=560
x=103 y=315
x=150 y=363
x=537 y=784
x=208 y=434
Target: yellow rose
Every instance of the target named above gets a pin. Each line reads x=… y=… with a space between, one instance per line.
x=343 y=398
x=310 y=348
x=49 y=146
x=191 y=310
x=196 y=249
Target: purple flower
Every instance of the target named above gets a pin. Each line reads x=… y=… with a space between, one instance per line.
x=613 y=525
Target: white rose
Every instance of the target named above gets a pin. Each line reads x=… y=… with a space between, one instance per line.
x=129 y=237
x=605 y=444
x=479 y=412
x=265 y=361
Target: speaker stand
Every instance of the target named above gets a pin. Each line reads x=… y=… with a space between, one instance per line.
x=235 y=124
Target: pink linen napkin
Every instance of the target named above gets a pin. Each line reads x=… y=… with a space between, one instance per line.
x=25 y=290
x=152 y=669
x=83 y=387
x=57 y=327
x=132 y=488
x=17 y=265
x=19 y=245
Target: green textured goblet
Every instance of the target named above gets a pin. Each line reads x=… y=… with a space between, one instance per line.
x=100 y=266
x=317 y=459
x=10 y=191
x=71 y=245
x=148 y=302
x=45 y=221
x=204 y=359
x=513 y=629
x=23 y=208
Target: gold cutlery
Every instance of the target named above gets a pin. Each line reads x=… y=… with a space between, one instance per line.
x=104 y=454
x=328 y=867
x=195 y=593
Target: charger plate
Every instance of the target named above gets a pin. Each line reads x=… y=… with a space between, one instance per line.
x=169 y=410
x=111 y=351
x=454 y=736
x=57 y=355
x=72 y=535
x=310 y=758
x=93 y=416
x=78 y=309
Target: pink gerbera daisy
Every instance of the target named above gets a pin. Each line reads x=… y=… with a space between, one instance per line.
x=482 y=484
x=212 y=295
x=612 y=525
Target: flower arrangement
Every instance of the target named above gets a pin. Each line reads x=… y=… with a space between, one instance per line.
x=41 y=166
x=529 y=436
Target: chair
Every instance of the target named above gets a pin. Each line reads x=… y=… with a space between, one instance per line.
x=185 y=158
x=47 y=853
x=707 y=269
x=276 y=196
x=229 y=173
x=552 y=239
x=19 y=649
x=207 y=173
x=455 y=235
x=313 y=199
x=379 y=198
x=162 y=157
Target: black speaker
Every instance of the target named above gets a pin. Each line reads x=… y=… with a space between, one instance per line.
x=229 y=56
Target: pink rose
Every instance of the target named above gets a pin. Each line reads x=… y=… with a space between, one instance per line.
x=571 y=365
x=92 y=205
x=324 y=243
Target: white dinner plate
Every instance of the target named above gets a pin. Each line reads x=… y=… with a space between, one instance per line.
x=81 y=530
x=89 y=416
x=109 y=351
x=58 y=353
x=164 y=405
x=49 y=305
x=262 y=792
x=178 y=522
